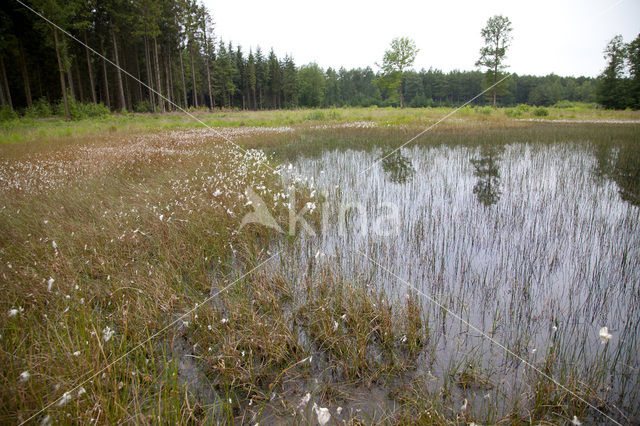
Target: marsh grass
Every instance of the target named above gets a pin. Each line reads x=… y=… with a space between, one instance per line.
x=54 y=128
x=144 y=215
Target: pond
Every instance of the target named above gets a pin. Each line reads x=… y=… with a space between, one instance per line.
x=520 y=253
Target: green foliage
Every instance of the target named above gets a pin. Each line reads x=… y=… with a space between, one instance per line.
x=497 y=38
x=324 y=115
x=541 y=112
x=485 y=110
x=79 y=111
x=615 y=91
x=143 y=107
x=518 y=111
x=7 y=114
x=312 y=85
x=40 y=109
x=396 y=60
x=633 y=57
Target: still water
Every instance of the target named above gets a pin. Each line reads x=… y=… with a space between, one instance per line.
x=538 y=246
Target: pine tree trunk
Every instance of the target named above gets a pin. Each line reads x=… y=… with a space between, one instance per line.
x=79 y=78
x=139 y=76
x=193 y=77
x=72 y=92
x=152 y=97
x=3 y=101
x=92 y=86
x=495 y=78
x=169 y=76
x=206 y=62
x=184 y=85
x=61 y=73
x=255 y=105
x=4 y=87
x=158 y=80
x=125 y=80
x=107 y=98
x=211 y=105
x=25 y=76
x=39 y=80
x=123 y=104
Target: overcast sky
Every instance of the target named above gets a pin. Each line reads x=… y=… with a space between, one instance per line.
x=561 y=37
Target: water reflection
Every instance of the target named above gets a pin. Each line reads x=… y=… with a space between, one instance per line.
x=397 y=167
x=622 y=165
x=487 y=188
x=510 y=270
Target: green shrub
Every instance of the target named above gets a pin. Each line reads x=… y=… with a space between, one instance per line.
x=143 y=106
x=40 y=109
x=512 y=112
x=317 y=115
x=565 y=104
x=79 y=111
x=334 y=114
x=541 y=112
x=486 y=110
x=466 y=110
x=7 y=114
x=517 y=111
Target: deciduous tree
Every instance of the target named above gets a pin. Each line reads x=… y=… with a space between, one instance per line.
x=497 y=39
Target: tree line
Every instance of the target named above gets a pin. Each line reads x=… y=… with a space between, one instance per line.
x=171 y=47
x=619 y=84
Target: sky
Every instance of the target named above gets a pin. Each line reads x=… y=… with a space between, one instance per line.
x=562 y=37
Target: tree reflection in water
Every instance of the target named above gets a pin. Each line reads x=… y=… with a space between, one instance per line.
x=622 y=165
x=397 y=167
x=487 y=188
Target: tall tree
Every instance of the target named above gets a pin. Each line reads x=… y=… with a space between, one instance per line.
x=274 y=77
x=290 y=84
x=610 y=92
x=312 y=85
x=261 y=77
x=497 y=39
x=252 y=79
x=399 y=57
x=633 y=56
x=207 y=38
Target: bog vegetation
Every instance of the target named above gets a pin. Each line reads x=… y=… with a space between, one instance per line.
x=130 y=292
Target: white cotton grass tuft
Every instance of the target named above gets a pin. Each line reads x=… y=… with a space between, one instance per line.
x=107 y=333
x=15 y=311
x=304 y=401
x=66 y=397
x=605 y=336
x=465 y=405
x=322 y=413
x=24 y=376
x=575 y=420
x=50 y=283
